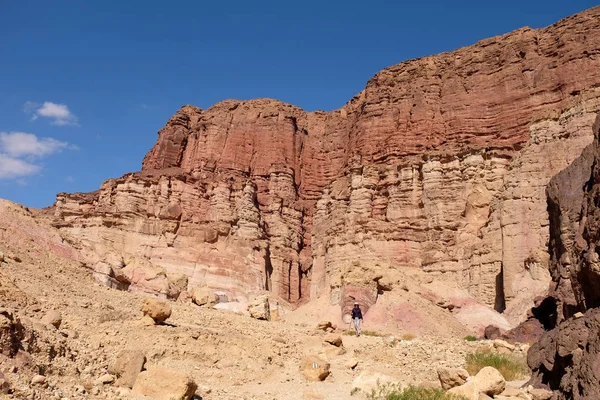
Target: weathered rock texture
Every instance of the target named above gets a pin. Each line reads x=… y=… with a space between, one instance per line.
x=438 y=167
x=567 y=358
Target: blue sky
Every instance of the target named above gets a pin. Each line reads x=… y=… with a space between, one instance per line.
x=85 y=85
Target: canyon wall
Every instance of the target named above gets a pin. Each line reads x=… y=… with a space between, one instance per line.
x=437 y=169
x=567 y=357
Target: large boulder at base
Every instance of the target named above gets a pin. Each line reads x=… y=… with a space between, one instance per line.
x=314 y=368
x=128 y=364
x=452 y=377
x=259 y=308
x=156 y=309
x=204 y=296
x=164 y=384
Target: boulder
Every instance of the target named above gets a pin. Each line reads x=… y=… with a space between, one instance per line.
x=259 y=308
x=106 y=379
x=53 y=318
x=324 y=325
x=38 y=380
x=4 y=385
x=128 y=364
x=469 y=391
x=156 y=309
x=540 y=394
x=489 y=381
x=452 y=377
x=314 y=368
x=204 y=296
x=164 y=384
x=329 y=351
x=351 y=363
x=492 y=332
x=503 y=347
x=334 y=339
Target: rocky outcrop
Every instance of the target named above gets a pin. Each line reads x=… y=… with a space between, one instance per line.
x=436 y=169
x=566 y=358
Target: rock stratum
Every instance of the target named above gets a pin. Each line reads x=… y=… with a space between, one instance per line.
x=436 y=171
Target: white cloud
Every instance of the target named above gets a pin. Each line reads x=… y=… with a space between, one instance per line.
x=59 y=113
x=70 y=179
x=11 y=167
x=19 y=152
x=18 y=144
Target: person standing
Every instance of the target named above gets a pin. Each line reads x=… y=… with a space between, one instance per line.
x=357 y=318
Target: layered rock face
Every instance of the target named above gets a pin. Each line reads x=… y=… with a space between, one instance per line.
x=567 y=357
x=437 y=169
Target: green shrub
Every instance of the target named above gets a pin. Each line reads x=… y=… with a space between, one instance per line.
x=470 y=338
x=391 y=392
x=511 y=367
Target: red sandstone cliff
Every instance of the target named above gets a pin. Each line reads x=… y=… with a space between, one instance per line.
x=437 y=169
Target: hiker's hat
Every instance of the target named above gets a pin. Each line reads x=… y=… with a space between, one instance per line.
x=356 y=303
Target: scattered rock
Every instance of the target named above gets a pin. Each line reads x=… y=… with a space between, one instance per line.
x=4 y=385
x=38 y=380
x=128 y=364
x=164 y=384
x=314 y=368
x=578 y=315
x=503 y=347
x=53 y=318
x=540 y=394
x=323 y=325
x=334 y=339
x=14 y=257
x=492 y=332
x=259 y=308
x=106 y=379
x=204 y=296
x=79 y=389
x=156 y=309
x=351 y=363
x=452 y=377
